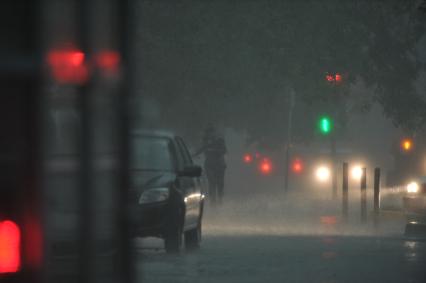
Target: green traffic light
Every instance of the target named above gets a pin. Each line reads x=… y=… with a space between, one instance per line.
x=325 y=125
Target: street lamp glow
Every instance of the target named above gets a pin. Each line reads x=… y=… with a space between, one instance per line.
x=356 y=172
x=323 y=173
x=407 y=144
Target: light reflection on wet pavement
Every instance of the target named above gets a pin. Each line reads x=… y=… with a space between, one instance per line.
x=289 y=259
x=314 y=247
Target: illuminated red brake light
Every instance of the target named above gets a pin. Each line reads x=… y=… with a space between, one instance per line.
x=10 y=241
x=265 y=166
x=297 y=166
x=248 y=158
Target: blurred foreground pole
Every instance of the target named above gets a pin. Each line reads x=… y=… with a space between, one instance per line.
x=376 y=196
x=126 y=26
x=345 y=186
x=21 y=195
x=287 y=153
x=364 y=195
x=86 y=172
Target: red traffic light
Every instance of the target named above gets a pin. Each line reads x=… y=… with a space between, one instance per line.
x=265 y=166
x=336 y=78
x=297 y=166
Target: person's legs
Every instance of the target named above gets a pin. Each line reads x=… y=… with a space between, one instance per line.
x=220 y=181
x=212 y=185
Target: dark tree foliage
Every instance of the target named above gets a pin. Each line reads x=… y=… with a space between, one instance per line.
x=234 y=62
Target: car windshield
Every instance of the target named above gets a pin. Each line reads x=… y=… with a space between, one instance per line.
x=151 y=154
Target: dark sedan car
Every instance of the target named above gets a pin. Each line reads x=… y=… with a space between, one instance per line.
x=166 y=197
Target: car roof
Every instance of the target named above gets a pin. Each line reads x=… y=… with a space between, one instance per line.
x=153 y=133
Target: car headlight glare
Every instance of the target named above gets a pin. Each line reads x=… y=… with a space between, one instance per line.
x=413 y=187
x=357 y=173
x=154 y=195
x=323 y=173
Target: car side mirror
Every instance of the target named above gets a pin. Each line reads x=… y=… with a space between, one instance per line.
x=191 y=171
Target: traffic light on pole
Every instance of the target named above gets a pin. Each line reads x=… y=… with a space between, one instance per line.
x=325 y=125
x=334 y=78
x=329 y=78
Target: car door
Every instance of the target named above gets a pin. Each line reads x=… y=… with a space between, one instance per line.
x=193 y=200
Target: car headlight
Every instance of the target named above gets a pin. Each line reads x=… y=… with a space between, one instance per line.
x=413 y=187
x=323 y=173
x=357 y=172
x=154 y=195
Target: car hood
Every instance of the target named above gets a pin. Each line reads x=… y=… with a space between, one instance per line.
x=142 y=180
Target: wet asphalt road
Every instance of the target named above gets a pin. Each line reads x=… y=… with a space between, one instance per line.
x=290 y=259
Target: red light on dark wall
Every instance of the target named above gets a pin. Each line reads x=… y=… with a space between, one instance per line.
x=10 y=241
x=329 y=78
x=33 y=242
x=108 y=61
x=68 y=66
x=338 y=78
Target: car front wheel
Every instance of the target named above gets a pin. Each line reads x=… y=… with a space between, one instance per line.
x=193 y=238
x=173 y=235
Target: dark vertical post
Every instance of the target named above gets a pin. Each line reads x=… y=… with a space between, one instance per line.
x=376 y=195
x=345 y=185
x=364 y=195
x=334 y=166
x=333 y=143
x=289 y=129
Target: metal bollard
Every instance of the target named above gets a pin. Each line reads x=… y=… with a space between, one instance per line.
x=364 y=196
x=376 y=196
x=345 y=185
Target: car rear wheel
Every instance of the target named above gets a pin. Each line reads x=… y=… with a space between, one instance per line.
x=193 y=238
